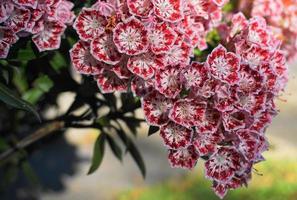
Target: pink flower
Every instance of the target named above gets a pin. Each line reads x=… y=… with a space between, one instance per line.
x=206 y=143
x=109 y=82
x=83 y=61
x=144 y=65
x=50 y=37
x=162 y=38
x=104 y=50
x=7 y=38
x=224 y=65
x=168 y=10
x=188 y=113
x=89 y=24
x=168 y=81
x=222 y=165
x=131 y=37
x=140 y=7
x=156 y=108
x=176 y=136
x=183 y=158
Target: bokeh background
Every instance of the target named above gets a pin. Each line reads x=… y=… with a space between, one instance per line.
x=61 y=168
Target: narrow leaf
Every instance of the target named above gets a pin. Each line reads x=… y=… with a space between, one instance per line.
x=29 y=173
x=98 y=153
x=153 y=130
x=117 y=151
x=7 y=96
x=132 y=149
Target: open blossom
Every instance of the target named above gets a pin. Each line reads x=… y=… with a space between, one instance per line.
x=46 y=21
x=217 y=109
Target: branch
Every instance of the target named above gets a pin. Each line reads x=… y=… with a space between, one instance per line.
x=37 y=135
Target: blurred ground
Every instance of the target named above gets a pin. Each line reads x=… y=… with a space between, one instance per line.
x=114 y=177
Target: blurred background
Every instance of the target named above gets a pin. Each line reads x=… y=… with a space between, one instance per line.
x=62 y=167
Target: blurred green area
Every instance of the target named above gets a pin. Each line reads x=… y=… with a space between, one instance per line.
x=274 y=179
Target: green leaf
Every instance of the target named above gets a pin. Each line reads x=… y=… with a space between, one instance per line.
x=33 y=95
x=153 y=130
x=3 y=144
x=58 y=62
x=7 y=96
x=26 y=54
x=41 y=85
x=198 y=52
x=29 y=173
x=132 y=149
x=44 y=83
x=98 y=153
x=117 y=151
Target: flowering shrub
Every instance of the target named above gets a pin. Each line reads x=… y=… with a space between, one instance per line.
x=45 y=20
x=205 y=78
x=282 y=17
x=218 y=109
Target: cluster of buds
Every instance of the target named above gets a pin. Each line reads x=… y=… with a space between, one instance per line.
x=126 y=43
x=282 y=17
x=217 y=110
x=45 y=20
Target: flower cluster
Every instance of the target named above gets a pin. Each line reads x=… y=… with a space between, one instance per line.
x=45 y=20
x=123 y=42
x=217 y=110
x=282 y=16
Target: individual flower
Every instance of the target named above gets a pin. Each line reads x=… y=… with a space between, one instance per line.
x=131 y=37
x=222 y=165
x=224 y=65
x=206 y=143
x=104 y=50
x=156 y=108
x=7 y=38
x=188 y=113
x=183 y=158
x=144 y=65
x=176 y=136
x=161 y=38
x=169 y=10
x=195 y=75
x=83 y=61
x=109 y=82
x=168 y=81
x=140 y=7
x=89 y=24
x=50 y=37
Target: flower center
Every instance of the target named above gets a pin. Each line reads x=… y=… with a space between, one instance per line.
x=221 y=66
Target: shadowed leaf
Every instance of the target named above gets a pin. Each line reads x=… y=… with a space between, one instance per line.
x=98 y=153
x=7 y=96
